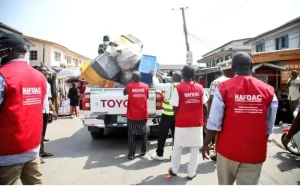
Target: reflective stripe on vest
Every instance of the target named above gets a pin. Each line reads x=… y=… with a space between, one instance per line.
x=168 y=108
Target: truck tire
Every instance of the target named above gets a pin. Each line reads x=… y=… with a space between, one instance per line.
x=97 y=135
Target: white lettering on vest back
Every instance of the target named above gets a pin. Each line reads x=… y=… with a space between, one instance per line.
x=247 y=98
x=31 y=90
x=248 y=104
x=191 y=94
x=138 y=90
x=32 y=95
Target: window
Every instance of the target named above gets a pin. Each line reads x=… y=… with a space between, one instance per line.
x=260 y=47
x=68 y=59
x=282 y=42
x=219 y=60
x=75 y=61
x=33 y=55
x=213 y=63
x=56 y=56
x=80 y=62
x=228 y=57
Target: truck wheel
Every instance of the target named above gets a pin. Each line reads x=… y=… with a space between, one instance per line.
x=98 y=135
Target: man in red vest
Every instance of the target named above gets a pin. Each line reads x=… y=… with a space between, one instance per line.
x=22 y=93
x=243 y=113
x=188 y=101
x=137 y=113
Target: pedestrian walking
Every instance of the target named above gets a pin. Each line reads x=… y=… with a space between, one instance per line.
x=167 y=121
x=137 y=113
x=46 y=111
x=294 y=89
x=81 y=89
x=243 y=113
x=74 y=97
x=220 y=77
x=188 y=101
x=22 y=93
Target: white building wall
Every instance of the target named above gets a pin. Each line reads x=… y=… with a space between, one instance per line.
x=270 y=44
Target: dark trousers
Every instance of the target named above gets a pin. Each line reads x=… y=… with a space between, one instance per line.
x=132 y=143
x=45 y=123
x=166 y=123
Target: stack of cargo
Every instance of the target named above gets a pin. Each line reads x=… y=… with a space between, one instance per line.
x=114 y=68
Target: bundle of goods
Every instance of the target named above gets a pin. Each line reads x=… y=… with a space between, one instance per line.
x=114 y=68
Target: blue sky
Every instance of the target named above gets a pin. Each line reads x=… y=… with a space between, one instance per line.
x=80 y=24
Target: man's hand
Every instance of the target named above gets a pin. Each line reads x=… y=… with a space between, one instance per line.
x=286 y=140
x=205 y=150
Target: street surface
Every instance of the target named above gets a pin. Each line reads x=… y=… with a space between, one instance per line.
x=78 y=159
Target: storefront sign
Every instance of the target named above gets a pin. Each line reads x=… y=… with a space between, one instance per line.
x=285 y=75
x=225 y=67
x=263 y=78
x=189 y=57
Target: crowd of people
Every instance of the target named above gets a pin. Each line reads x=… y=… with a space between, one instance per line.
x=239 y=119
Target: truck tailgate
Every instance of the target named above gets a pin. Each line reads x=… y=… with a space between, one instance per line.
x=111 y=101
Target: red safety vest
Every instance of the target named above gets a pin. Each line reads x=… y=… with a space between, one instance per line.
x=244 y=132
x=137 y=108
x=21 y=117
x=190 y=108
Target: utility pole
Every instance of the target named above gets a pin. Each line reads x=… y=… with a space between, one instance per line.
x=189 y=53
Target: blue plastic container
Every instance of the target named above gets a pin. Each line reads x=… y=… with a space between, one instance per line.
x=147 y=78
x=147 y=64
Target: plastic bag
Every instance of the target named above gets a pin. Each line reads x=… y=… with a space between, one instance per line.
x=126 y=55
x=125 y=77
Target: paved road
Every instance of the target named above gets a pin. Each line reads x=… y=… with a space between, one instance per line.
x=80 y=160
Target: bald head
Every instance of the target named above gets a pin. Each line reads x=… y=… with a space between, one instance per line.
x=242 y=63
x=136 y=76
x=294 y=74
x=176 y=77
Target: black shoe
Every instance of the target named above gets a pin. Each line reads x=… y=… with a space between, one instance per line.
x=46 y=140
x=143 y=153
x=213 y=157
x=46 y=154
x=130 y=157
x=190 y=178
x=171 y=172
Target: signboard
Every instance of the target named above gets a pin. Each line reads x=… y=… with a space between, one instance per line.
x=285 y=75
x=189 y=57
x=225 y=67
x=263 y=78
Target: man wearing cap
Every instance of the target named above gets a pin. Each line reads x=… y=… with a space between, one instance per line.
x=243 y=113
x=22 y=93
x=102 y=47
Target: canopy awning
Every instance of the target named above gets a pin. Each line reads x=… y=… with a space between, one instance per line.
x=225 y=64
x=276 y=65
x=208 y=70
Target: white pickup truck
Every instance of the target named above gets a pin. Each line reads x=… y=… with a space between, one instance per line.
x=106 y=108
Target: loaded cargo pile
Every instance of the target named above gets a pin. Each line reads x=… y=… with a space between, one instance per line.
x=114 y=68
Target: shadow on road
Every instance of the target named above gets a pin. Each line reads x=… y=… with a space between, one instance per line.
x=288 y=161
x=107 y=152
x=159 y=180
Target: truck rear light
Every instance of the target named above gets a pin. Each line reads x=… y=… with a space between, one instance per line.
x=86 y=101
x=159 y=100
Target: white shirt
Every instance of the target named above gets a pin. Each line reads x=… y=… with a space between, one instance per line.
x=294 y=93
x=190 y=136
x=166 y=87
x=46 y=108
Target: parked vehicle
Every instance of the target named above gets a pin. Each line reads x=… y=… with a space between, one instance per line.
x=106 y=108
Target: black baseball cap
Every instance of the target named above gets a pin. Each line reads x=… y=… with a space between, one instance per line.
x=13 y=41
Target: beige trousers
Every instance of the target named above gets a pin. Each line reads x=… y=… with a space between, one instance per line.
x=28 y=173
x=243 y=173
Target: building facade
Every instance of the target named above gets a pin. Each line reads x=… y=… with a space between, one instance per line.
x=284 y=37
x=53 y=54
x=224 y=52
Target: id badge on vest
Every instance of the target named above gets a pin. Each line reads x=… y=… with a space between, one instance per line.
x=31 y=95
